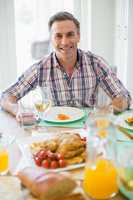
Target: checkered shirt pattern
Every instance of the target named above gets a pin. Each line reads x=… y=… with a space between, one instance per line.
x=90 y=73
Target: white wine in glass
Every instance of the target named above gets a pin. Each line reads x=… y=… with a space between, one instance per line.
x=43 y=102
x=42 y=106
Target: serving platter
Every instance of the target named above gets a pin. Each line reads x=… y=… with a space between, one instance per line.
x=25 y=143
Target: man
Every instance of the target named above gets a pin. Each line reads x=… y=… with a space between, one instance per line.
x=72 y=74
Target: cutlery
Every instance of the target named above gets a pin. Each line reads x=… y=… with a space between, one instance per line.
x=123 y=130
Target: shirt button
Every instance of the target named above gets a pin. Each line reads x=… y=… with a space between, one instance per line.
x=64 y=75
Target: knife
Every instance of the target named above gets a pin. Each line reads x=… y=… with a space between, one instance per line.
x=123 y=130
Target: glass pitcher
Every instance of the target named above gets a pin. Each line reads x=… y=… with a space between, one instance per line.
x=100 y=176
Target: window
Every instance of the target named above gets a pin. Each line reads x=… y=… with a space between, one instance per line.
x=24 y=35
x=32 y=36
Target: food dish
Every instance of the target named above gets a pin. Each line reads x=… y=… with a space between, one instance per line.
x=40 y=183
x=25 y=145
x=121 y=120
x=129 y=121
x=72 y=114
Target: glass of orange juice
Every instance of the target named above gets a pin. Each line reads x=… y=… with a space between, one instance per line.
x=4 y=156
x=100 y=175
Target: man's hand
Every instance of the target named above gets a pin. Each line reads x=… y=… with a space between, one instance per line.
x=119 y=104
x=9 y=104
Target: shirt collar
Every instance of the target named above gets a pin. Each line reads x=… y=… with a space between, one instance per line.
x=57 y=64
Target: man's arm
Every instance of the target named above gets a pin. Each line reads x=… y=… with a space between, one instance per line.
x=9 y=104
x=26 y=82
x=114 y=88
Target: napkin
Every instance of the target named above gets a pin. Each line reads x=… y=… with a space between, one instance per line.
x=75 y=124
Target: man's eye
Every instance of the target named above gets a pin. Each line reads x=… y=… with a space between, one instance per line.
x=70 y=34
x=58 y=36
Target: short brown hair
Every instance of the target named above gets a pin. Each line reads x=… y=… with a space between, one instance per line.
x=62 y=16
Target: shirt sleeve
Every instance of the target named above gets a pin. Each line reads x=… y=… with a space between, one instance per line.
x=25 y=83
x=109 y=82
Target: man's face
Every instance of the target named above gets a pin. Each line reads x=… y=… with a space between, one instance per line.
x=64 y=37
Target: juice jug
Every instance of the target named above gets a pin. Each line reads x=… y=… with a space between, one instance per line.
x=100 y=175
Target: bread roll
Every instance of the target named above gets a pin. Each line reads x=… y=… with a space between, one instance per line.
x=46 y=186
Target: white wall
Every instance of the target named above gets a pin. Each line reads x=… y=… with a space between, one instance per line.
x=7 y=44
x=82 y=10
x=102 y=35
x=130 y=49
x=124 y=42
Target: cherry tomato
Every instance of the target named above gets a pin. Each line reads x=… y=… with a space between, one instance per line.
x=59 y=156
x=54 y=164
x=45 y=164
x=62 y=163
x=37 y=161
x=51 y=155
x=42 y=154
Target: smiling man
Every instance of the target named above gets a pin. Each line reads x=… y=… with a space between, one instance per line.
x=72 y=74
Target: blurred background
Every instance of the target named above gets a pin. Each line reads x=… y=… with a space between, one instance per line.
x=106 y=30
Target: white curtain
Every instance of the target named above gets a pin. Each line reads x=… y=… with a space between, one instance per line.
x=7 y=44
x=31 y=17
x=24 y=22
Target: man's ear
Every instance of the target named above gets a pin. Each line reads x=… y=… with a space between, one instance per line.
x=78 y=36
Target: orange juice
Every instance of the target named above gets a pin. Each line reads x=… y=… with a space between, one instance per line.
x=100 y=181
x=4 y=161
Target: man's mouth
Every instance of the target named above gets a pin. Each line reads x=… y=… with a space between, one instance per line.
x=66 y=49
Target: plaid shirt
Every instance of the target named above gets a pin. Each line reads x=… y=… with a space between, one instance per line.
x=81 y=88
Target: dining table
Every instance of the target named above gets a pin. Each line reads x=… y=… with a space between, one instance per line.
x=10 y=127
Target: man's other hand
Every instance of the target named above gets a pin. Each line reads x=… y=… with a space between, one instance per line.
x=119 y=104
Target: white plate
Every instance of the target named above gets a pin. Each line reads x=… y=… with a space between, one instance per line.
x=74 y=114
x=121 y=120
x=24 y=145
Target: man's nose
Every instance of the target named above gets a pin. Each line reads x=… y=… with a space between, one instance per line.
x=64 y=40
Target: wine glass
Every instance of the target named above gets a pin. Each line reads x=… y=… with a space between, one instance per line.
x=43 y=101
